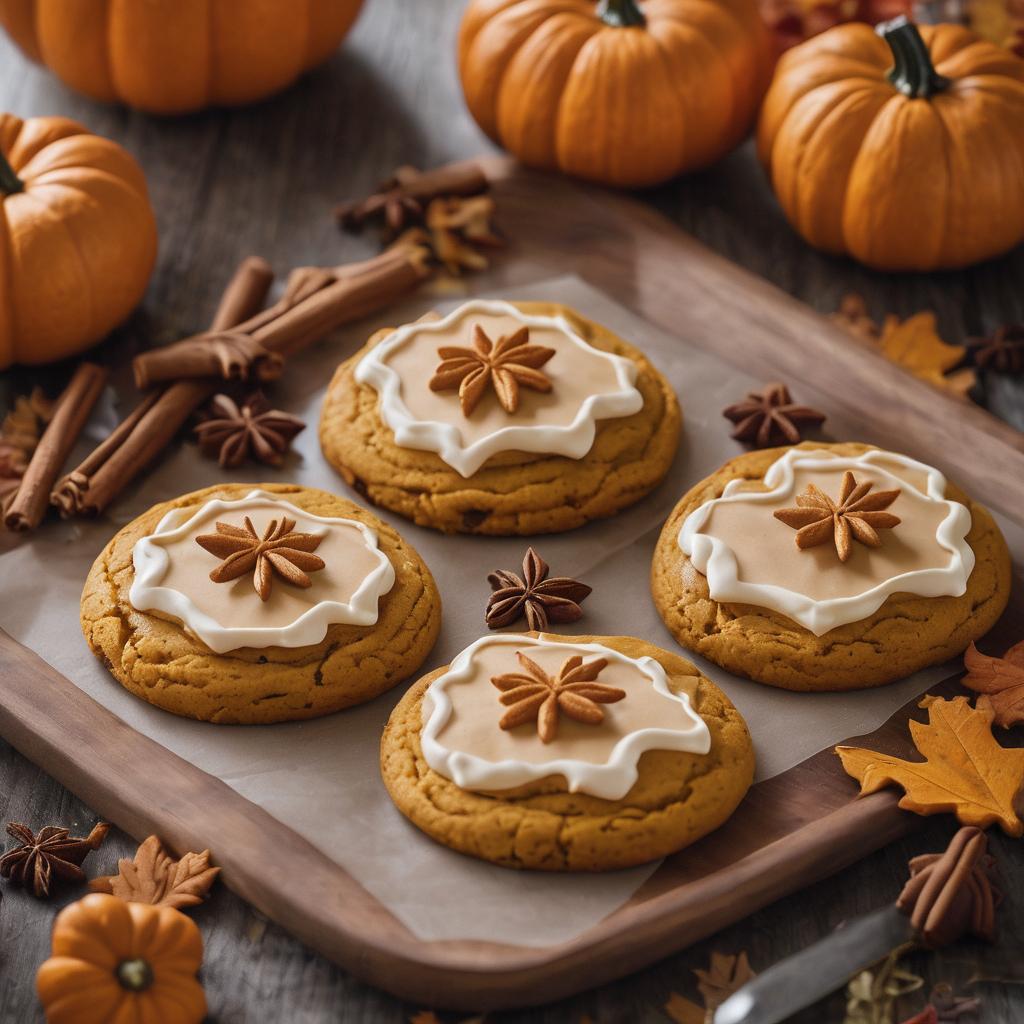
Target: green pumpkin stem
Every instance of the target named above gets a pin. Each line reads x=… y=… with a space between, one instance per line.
x=912 y=72
x=9 y=181
x=134 y=975
x=621 y=13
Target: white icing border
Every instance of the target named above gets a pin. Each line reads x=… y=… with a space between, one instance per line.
x=610 y=781
x=445 y=439
x=717 y=561
x=151 y=561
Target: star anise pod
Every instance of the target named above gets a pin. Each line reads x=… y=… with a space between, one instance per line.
x=771 y=417
x=540 y=599
x=52 y=855
x=507 y=366
x=278 y=550
x=1002 y=352
x=533 y=694
x=857 y=515
x=233 y=433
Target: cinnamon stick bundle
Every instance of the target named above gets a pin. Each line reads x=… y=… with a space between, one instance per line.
x=72 y=410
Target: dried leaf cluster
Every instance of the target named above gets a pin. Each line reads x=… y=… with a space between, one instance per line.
x=724 y=975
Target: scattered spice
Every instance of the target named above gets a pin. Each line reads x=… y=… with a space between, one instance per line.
x=534 y=695
x=857 y=515
x=457 y=228
x=54 y=855
x=770 y=417
x=1000 y=681
x=965 y=771
x=154 y=877
x=19 y=435
x=540 y=599
x=510 y=364
x=1002 y=351
x=872 y=995
x=725 y=975
x=278 y=550
x=233 y=433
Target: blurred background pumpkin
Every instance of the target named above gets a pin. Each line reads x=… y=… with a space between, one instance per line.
x=614 y=92
x=174 y=56
x=900 y=147
x=77 y=238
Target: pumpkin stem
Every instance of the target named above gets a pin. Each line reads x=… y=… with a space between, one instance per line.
x=134 y=975
x=912 y=72
x=621 y=13
x=9 y=181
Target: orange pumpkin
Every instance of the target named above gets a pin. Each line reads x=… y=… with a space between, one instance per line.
x=172 y=56
x=903 y=148
x=77 y=238
x=615 y=92
x=122 y=963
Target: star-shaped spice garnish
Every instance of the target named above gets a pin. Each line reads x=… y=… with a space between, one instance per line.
x=771 y=417
x=533 y=694
x=52 y=855
x=234 y=432
x=278 y=550
x=1002 y=351
x=857 y=515
x=510 y=364
x=540 y=599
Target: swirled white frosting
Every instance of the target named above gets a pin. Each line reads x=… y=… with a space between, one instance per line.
x=172 y=577
x=461 y=739
x=587 y=385
x=749 y=557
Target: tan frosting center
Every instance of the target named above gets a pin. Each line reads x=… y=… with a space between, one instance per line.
x=575 y=373
x=766 y=551
x=236 y=604
x=472 y=727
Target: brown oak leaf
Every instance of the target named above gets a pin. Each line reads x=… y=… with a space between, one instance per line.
x=1000 y=681
x=965 y=771
x=155 y=877
x=724 y=975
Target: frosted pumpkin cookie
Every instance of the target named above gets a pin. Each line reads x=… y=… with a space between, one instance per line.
x=566 y=753
x=500 y=419
x=829 y=567
x=259 y=603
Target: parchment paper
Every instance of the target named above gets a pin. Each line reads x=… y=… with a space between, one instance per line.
x=321 y=778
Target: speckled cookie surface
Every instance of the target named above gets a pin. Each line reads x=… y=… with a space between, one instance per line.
x=677 y=798
x=514 y=492
x=157 y=660
x=905 y=634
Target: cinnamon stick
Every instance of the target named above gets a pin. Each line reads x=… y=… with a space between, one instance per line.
x=29 y=505
x=153 y=423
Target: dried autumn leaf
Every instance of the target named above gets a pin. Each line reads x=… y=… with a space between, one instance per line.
x=683 y=1010
x=156 y=878
x=872 y=995
x=1000 y=680
x=965 y=770
x=915 y=344
x=726 y=974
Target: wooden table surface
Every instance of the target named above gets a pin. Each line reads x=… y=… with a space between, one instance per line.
x=263 y=180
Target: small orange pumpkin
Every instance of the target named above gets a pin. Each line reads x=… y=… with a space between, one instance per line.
x=617 y=92
x=122 y=963
x=77 y=238
x=902 y=148
x=173 y=56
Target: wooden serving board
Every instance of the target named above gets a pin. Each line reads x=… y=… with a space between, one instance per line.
x=790 y=831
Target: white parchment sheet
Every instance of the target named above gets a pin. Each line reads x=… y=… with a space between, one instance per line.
x=321 y=777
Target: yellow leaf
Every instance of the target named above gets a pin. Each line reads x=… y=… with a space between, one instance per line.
x=915 y=344
x=683 y=1010
x=965 y=770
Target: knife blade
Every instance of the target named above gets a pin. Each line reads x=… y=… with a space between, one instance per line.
x=811 y=974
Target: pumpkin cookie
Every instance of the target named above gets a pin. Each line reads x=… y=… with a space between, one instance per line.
x=261 y=603
x=566 y=753
x=829 y=567
x=500 y=419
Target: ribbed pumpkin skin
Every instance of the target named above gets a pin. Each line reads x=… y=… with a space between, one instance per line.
x=174 y=56
x=558 y=87
x=77 y=246
x=898 y=183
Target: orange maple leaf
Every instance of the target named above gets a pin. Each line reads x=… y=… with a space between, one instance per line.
x=965 y=770
x=915 y=345
x=1000 y=680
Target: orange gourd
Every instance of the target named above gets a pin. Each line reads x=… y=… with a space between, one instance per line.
x=122 y=963
x=616 y=92
x=77 y=238
x=173 y=56
x=903 y=148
